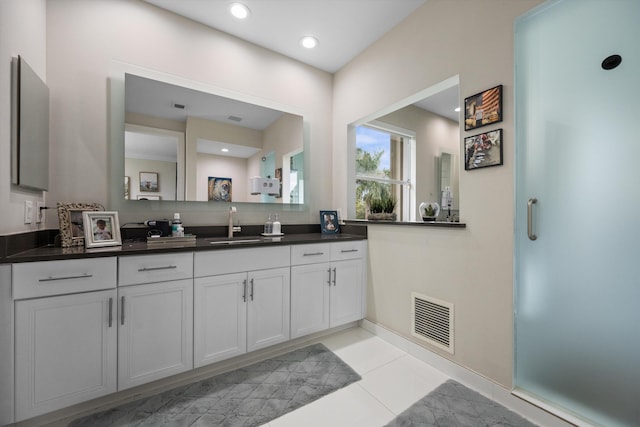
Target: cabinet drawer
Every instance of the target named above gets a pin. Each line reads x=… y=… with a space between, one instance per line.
x=310 y=254
x=45 y=278
x=140 y=269
x=216 y=262
x=347 y=250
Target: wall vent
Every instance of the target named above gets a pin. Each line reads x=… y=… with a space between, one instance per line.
x=432 y=321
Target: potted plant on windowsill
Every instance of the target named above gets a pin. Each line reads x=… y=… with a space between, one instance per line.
x=382 y=209
x=429 y=211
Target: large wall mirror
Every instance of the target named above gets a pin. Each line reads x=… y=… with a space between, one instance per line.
x=408 y=152
x=186 y=141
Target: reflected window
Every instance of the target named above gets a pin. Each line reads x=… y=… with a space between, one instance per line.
x=383 y=170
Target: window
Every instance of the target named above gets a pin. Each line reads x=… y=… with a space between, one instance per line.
x=385 y=159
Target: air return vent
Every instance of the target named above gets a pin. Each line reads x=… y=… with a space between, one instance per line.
x=432 y=321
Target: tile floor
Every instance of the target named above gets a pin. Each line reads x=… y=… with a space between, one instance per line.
x=392 y=380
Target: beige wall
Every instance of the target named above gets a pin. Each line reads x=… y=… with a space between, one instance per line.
x=83 y=39
x=472 y=267
x=22 y=32
x=166 y=177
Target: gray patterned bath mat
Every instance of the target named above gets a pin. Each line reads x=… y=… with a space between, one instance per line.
x=248 y=396
x=454 y=405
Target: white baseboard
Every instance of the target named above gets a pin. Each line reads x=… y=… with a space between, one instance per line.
x=475 y=381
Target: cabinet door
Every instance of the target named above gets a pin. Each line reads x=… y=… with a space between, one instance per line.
x=310 y=286
x=346 y=292
x=268 y=308
x=155 y=336
x=65 y=351
x=220 y=318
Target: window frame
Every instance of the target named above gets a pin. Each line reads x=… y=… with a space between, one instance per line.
x=408 y=172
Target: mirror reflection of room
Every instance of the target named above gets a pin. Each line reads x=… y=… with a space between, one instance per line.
x=210 y=148
x=409 y=156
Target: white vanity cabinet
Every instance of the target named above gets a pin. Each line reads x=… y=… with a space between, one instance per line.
x=65 y=333
x=327 y=286
x=84 y=328
x=155 y=317
x=241 y=301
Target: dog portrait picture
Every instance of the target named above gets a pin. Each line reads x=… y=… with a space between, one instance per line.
x=219 y=189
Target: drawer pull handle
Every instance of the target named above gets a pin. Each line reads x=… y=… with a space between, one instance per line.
x=244 y=290
x=166 y=267
x=335 y=275
x=313 y=254
x=110 y=312
x=251 y=290
x=122 y=312
x=329 y=281
x=52 y=279
x=344 y=251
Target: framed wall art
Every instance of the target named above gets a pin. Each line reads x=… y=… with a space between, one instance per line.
x=149 y=181
x=71 y=223
x=329 y=222
x=482 y=150
x=101 y=229
x=220 y=189
x=127 y=189
x=483 y=108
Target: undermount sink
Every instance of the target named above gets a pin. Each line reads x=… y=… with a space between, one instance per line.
x=233 y=240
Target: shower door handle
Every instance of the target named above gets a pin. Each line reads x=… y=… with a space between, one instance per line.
x=532 y=201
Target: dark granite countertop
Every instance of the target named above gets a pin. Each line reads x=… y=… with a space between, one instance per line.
x=140 y=247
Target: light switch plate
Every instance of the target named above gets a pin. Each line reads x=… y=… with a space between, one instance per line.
x=28 y=211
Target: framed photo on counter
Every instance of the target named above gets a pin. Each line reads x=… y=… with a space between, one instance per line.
x=101 y=229
x=71 y=222
x=329 y=222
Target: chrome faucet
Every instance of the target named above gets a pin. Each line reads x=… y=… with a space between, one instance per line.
x=232 y=229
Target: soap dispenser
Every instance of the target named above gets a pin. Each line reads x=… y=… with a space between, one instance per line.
x=176 y=226
x=276 y=225
x=268 y=226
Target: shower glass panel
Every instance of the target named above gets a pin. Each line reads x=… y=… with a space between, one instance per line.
x=577 y=285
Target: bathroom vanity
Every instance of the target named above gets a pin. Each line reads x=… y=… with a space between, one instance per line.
x=88 y=324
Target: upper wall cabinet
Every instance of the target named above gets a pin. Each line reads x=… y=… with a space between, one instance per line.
x=29 y=127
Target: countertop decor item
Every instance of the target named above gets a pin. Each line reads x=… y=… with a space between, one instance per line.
x=101 y=229
x=382 y=209
x=71 y=222
x=329 y=222
x=429 y=211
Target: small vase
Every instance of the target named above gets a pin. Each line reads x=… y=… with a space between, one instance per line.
x=423 y=211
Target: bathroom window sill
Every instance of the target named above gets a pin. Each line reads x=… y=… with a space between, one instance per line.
x=441 y=224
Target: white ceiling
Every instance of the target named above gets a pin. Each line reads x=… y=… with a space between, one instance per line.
x=344 y=28
x=155 y=98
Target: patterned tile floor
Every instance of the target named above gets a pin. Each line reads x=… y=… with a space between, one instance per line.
x=392 y=381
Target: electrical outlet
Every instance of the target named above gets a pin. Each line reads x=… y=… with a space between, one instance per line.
x=28 y=211
x=39 y=212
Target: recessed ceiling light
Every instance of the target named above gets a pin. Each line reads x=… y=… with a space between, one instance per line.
x=225 y=150
x=239 y=10
x=309 y=42
x=457 y=109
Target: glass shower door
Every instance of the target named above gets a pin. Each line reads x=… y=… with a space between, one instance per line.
x=577 y=261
